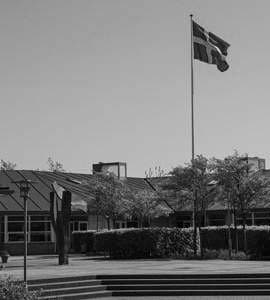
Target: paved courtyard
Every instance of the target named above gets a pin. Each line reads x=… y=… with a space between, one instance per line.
x=46 y=266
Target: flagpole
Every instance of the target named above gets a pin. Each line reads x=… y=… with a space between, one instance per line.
x=192 y=88
x=194 y=225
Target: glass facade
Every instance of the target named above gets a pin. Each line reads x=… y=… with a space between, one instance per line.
x=38 y=227
x=78 y=226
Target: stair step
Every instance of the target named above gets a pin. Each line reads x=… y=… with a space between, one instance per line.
x=127 y=285
x=55 y=285
x=77 y=296
x=192 y=293
x=61 y=279
x=190 y=287
x=182 y=276
x=185 y=281
x=73 y=289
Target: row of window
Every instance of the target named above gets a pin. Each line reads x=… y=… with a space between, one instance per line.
x=258 y=218
x=39 y=228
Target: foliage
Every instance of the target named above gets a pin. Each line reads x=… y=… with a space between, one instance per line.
x=156 y=172
x=11 y=289
x=193 y=177
x=224 y=254
x=242 y=188
x=111 y=195
x=54 y=165
x=7 y=165
x=258 y=239
x=81 y=239
x=145 y=205
x=146 y=242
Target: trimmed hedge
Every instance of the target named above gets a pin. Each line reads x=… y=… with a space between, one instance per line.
x=146 y=242
x=258 y=239
x=83 y=241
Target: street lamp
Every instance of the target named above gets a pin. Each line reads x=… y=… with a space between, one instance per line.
x=24 y=186
x=5 y=190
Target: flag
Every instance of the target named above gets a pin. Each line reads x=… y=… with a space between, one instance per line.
x=209 y=48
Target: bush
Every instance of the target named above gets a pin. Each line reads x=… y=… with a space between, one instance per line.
x=258 y=240
x=83 y=241
x=210 y=254
x=146 y=242
x=16 y=290
x=224 y=254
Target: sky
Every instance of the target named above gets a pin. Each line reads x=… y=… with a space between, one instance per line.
x=90 y=81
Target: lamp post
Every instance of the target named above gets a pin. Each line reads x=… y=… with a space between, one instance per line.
x=5 y=190
x=24 y=186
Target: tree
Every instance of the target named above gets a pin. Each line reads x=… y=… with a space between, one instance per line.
x=194 y=186
x=111 y=195
x=55 y=166
x=156 y=172
x=145 y=205
x=242 y=188
x=7 y=165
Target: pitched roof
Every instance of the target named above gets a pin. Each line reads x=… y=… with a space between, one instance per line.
x=39 y=194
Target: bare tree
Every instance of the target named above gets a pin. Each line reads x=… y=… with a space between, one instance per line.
x=7 y=165
x=54 y=165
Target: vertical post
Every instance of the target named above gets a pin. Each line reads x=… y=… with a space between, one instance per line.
x=25 y=239
x=192 y=87
x=192 y=137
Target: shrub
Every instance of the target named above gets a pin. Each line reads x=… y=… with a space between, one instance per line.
x=83 y=241
x=210 y=254
x=146 y=242
x=258 y=240
x=224 y=254
x=16 y=290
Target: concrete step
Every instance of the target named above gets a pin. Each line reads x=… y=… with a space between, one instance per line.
x=189 y=287
x=73 y=289
x=61 y=279
x=78 y=296
x=192 y=293
x=185 y=281
x=183 y=276
x=88 y=287
x=64 y=284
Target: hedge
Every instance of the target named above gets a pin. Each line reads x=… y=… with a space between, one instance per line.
x=258 y=239
x=146 y=242
x=82 y=241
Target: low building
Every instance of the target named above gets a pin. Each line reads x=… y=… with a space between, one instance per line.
x=41 y=237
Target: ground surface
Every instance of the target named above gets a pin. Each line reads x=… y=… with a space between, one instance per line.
x=46 y=266
x=190 y=298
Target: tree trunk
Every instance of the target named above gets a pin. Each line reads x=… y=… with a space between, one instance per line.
x=97 y=222
x=108 y=223
x=244 y=232
x=229 y=241
x=236 y=231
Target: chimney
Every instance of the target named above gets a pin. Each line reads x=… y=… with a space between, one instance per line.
x=119 y=169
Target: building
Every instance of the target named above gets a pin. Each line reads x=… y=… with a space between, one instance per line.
x=41 y=237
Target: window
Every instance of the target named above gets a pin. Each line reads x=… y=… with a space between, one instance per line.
x=2 y=229
x=15 y=228
x=262 y=218
x=78 y=226
x=38 y=227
